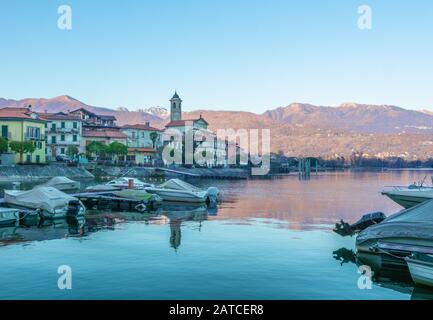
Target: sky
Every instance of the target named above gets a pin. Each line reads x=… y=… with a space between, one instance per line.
x=249 y=55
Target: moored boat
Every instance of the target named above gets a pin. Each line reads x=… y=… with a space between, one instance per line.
x=180 y=191
x=409 y=231
x=128 y=183
x=50 y=202
x=62 y=184
x=9 y=216
x=421 y=268
x=410 y=196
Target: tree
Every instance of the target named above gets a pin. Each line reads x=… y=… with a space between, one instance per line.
x=153 y=137
x=72 y=151
x=97 y=148
x=4 y=145
x=117 y=149
x=22 y=147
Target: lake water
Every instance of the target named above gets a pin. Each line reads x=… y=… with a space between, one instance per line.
x=268 y=239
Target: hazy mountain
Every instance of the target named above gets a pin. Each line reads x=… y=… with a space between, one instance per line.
x=354 y=117
x=66 y=103
x=160 y=112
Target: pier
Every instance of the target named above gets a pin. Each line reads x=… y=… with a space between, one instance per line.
x=106 y=200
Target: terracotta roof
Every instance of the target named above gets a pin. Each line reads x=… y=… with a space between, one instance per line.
x=140 y=127
x=180 y=123
x=101 y=116
x=18 y=113
x=59 y=116
x=112 y=134
x=106 y=117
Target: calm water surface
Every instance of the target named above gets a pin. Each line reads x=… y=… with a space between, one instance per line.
x=269 y=239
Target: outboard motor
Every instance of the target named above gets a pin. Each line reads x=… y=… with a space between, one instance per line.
x=74 y=207
x=213 y=195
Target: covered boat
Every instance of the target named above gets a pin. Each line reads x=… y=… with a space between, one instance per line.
x=406 y=232
x=62 y=184
x=181 y=191
x=411 y=196
x=51 y=202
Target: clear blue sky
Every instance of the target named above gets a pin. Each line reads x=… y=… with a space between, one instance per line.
x=225 y=54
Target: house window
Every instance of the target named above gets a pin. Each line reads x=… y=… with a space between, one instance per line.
x=62 y=150
x=53 y=140
x=33 y=133
x=133 y=134
x=63 y=125
x=75 y=125
x=74 y=138
x=142 y=134
x=38 y=159
x=29 y=158
x=53 y=127
x=5 y=132
x=62 y=137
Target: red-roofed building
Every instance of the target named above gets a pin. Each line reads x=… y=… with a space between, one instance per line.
x=142 y=140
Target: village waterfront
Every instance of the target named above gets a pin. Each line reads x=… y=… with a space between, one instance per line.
x=267 y=239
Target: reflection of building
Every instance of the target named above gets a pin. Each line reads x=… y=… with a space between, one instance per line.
x=175 y=233
x=22 y=124
x=143 y=141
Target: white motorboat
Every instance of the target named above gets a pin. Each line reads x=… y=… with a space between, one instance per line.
x=9 y=216
x=50 y=202
x=180 y=191
x=125 y=183
x=421 y=268
x=408 y=197
x=62 y=184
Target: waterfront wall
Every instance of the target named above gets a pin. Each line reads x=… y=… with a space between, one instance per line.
x=146 y=172
x=38 y=172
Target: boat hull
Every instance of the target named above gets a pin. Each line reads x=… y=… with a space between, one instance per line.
x=421 y=271
x=409 y=199
x=9 y=217
x=178 y=195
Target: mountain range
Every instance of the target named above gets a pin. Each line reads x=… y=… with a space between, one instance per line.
x=297 y=129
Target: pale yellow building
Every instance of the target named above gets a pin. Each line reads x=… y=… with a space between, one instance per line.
x=22 y=124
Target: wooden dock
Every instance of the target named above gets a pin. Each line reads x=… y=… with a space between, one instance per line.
x=107 y=201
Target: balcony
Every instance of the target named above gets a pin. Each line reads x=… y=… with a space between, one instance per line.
x=40 y=137
x=65 y=130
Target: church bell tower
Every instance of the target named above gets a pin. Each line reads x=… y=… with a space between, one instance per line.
x=175 y=108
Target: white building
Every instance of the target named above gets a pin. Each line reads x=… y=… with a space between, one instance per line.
x=62 y=131
x=189 y=128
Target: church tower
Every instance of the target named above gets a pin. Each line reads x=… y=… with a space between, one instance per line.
x=175 y=108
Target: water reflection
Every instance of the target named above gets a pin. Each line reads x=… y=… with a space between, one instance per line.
x=387 y=272
x=34 y=229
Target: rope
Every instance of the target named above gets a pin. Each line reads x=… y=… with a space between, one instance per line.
x=388 y=253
